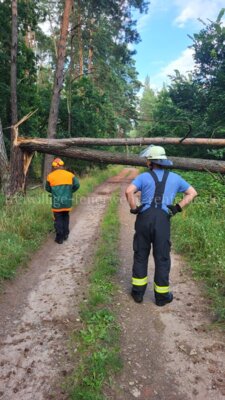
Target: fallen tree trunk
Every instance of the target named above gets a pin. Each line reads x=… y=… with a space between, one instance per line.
x=87 y=141
x=105 y=157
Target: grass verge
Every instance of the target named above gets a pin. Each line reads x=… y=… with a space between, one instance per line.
x=25 y=223
x=199 y=234
x=97 y=342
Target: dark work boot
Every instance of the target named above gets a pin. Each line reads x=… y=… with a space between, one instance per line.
x=59 y=240
x=138 y=297
x=162 y=302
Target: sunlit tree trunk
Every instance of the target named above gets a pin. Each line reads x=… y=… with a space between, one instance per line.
x=80 y=42
x=58 y=81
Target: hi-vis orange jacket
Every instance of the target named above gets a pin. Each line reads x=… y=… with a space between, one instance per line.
x=61 y=184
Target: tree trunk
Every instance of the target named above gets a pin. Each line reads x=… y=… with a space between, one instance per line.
x=17 y=178
x=105 y=157
x=58 y=81
x=4 y=164
x=89 y=141
x=70 y=80
x=80 y=42
x=90 y=51
x=16 y=155
x=14 y=117
x=19 y=164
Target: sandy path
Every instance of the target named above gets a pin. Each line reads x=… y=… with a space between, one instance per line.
x=39 y=308
x=169 y=353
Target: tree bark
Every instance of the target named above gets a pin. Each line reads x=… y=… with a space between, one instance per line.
x=105 y=157
x=17 y=178
x=88 y=141
x=58 y=81
x=4 y=164
x=14 y=48
x=16 y=181
x=19 y=164
x=91 y=50
x=80 y=42
x=71 y=70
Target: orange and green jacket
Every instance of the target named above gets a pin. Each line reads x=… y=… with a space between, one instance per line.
x=61 y=184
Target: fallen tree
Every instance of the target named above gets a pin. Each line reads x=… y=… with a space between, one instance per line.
x=24 y=148
x=87 y=141
x=60 y=148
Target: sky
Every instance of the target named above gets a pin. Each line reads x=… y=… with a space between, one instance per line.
x=164 y=32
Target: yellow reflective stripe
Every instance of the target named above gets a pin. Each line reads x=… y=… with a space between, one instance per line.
x=140 y=282
x=161 y=289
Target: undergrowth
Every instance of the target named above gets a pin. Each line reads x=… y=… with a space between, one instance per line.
x=97 y=342
x=26 y=221
x=199 y=234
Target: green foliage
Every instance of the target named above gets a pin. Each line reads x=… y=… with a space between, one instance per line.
x=28 y=96
x=196 y=100
x=199 y=234
x=98 y=351
x=92 y=113
x=209 y=55
x=147 y=110
x=100 y=102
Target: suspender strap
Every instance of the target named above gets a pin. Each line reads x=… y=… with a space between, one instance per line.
x=159 y=189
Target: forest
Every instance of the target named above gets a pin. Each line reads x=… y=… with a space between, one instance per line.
x=91 y=64
x=191 y=104
x=69 y=87
x=93 y=83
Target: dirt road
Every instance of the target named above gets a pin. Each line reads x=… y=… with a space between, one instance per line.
x=168 y=352
x=40 y=307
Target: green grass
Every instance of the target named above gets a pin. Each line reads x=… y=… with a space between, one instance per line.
x=26 y=221
x=98 y=350
x=199 y=234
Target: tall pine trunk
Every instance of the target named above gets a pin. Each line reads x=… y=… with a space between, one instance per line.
x=17 y=178
x=58 y=81
x=71 y=71
x=80 y=42
x=91 y=50
x=14 y=47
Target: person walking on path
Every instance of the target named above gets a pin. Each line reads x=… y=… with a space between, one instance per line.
x=158 y=189
x=61 y=184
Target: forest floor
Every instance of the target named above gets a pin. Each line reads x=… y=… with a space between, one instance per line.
x=169 y=352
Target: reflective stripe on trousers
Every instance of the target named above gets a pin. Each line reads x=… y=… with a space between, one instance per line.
x=161 y=289
x=140 y=282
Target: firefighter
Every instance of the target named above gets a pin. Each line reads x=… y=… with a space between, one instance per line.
x=61 y=184
x=158 y=189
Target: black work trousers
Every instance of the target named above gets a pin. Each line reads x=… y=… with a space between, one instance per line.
x=61 y=222
x=152 y=227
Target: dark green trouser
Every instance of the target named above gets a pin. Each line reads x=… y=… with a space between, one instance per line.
x=152 y=227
